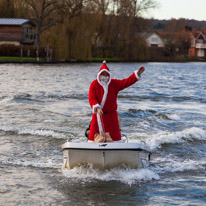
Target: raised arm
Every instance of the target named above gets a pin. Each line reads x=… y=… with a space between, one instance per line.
x=124 y=83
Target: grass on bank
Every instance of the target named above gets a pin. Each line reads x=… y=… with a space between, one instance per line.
x=32 y=59
x=8 y=58
x=20 y=58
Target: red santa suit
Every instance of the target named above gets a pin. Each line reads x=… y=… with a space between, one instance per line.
x=104 y=95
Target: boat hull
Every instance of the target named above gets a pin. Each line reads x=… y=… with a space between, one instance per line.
x=104 y=155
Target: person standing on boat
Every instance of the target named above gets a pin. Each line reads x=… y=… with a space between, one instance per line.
x=103 y=100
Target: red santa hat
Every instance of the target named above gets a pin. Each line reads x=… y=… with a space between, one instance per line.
x=103 y=68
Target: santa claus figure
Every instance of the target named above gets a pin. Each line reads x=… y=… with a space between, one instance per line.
x=103 y=101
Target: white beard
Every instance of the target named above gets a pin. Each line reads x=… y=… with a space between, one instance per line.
x=104 y=79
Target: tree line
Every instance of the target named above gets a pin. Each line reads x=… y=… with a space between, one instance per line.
x=85 y=29
x=82 y=29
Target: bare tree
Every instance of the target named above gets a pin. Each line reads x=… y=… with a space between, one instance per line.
x=175 y=25
x=134 y=8
x=99 y=6
x=7 y=9
x=45 y=15
x=71 y=9
x=141 y=6
x=80 y=26
x=183 y=40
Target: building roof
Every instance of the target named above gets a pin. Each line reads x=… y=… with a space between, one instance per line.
x=200 y=34
x=15 y=21
x=147 y=35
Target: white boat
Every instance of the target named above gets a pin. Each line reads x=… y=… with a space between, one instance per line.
x=105 y=155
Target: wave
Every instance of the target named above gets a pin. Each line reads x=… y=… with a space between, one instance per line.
x=191 y=134
x=34 y=132
x=161 y=166
x=84 y=174
x=81 y=174
x=41 y=98
x=158 y=167
x=45 y=133
x=162 y=97
x=173 y=164
x=125 y=175
x=147 y=113
x=175 y=117
x=28 y=163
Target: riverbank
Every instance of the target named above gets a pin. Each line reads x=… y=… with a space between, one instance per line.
x=19 y=60
x=5 y=60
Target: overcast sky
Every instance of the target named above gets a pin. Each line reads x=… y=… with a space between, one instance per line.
x=189 y=9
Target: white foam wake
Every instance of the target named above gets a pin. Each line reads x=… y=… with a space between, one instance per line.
x=174 y=117
x=162 y=165
x=46 y=133
x=124 y=175
x=155 y=141
x=173 y=164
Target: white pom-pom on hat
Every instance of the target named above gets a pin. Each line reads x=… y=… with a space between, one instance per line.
x=104 y=67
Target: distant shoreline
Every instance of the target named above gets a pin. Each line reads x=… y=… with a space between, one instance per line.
x=33 y=61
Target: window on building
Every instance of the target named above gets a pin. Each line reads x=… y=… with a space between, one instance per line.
x=28 y=30
x=154 y=39
x=199 y=40
x=29 y=33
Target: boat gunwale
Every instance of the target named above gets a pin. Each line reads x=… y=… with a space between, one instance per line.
x=102 y=146
x=103 y=149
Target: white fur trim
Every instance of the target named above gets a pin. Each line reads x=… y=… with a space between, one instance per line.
x=99 y=123
x=137 y=76
x=94 y=108
x=90 y=141
x=103 y=70
x=105 y=86
x=104 y=62
x=104 y=96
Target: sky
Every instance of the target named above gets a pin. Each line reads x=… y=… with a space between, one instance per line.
x=188 y=9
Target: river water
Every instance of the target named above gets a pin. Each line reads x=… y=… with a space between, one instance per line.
x=44 y=105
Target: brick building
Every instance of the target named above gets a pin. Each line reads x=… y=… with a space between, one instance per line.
x=198 y=45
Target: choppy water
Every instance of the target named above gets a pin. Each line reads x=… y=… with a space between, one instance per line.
x=42 y=106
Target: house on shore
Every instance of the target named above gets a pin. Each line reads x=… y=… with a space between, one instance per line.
x=153 y=39
x=198 y=45
x=17 y=31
